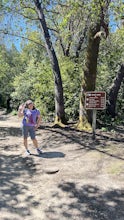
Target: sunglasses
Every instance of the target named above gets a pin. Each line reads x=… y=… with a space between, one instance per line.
x=30 y=103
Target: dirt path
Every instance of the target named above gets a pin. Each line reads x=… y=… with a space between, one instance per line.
x=88 y=183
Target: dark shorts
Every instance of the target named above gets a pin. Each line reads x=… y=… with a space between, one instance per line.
x=28 y=130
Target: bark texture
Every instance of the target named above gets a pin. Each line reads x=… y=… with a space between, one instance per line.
x=90 y=69
x=59 y=101
x=89 y=80
x=112 y=97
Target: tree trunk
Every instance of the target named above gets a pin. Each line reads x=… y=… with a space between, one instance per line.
x=89 y=80
x=59 y=101
x=90 y=69
x=113 y=93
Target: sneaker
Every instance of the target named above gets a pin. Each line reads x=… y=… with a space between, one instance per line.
x=28 y=152
x=39 y=151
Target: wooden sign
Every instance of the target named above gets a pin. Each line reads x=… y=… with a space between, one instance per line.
x=95 y=100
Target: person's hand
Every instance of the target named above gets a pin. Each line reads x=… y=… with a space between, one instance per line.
x=20 y=110
x=21 y=107
x=36 y=126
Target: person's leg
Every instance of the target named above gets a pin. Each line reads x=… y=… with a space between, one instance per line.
x=25 y=141
x=36 y=146
x=34 y=140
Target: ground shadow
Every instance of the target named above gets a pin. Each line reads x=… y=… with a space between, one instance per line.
x=50 y=155
x=4 y=115
x=57 y=137
x=87 y=202
x=83 y=139
x=12 y=131
x=13 y=197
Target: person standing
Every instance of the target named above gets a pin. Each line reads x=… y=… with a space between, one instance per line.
x=31 y=121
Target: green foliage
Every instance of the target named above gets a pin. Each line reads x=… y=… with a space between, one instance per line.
x=43 y=88
x=14 y=112
x=9 y=65
x=36 y=83
x=110 y=58
x=28 y=74
x=71 y=76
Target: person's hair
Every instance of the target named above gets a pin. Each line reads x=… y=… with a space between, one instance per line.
x=29 y=102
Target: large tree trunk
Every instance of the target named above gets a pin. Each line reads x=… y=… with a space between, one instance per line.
x=113 y=93
x=59 y=101
x=90 y=69
x=89 y=79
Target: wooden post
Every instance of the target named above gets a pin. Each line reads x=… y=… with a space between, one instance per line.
x=94 y=123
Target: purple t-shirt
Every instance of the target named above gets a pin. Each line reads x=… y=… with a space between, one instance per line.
x=30 y=117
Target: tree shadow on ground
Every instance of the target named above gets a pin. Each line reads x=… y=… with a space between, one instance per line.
x=57 y=137
x=15 y=172
x=84 y=140
x=87 y=202
x=4 y=116
x=12 y=131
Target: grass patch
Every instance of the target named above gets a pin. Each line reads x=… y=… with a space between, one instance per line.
x=116 y=168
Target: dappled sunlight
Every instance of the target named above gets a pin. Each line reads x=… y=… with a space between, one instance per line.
x=57 y=137
x=14 y=179
x=74 y=178
x=74 y=201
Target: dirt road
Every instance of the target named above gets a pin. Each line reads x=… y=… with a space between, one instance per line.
x=75 y=178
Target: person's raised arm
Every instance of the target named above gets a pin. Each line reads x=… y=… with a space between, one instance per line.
x=21 y=110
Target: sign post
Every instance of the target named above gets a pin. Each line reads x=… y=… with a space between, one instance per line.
x=94 y=123
x=95 y=101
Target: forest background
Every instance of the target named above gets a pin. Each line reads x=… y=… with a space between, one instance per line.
x=54 y=51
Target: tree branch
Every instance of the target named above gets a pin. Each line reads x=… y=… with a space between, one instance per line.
x=26 y=38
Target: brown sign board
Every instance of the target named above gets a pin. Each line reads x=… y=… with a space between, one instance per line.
x=95 y=100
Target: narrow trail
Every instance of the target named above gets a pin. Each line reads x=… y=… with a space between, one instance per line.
x=75 y=178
